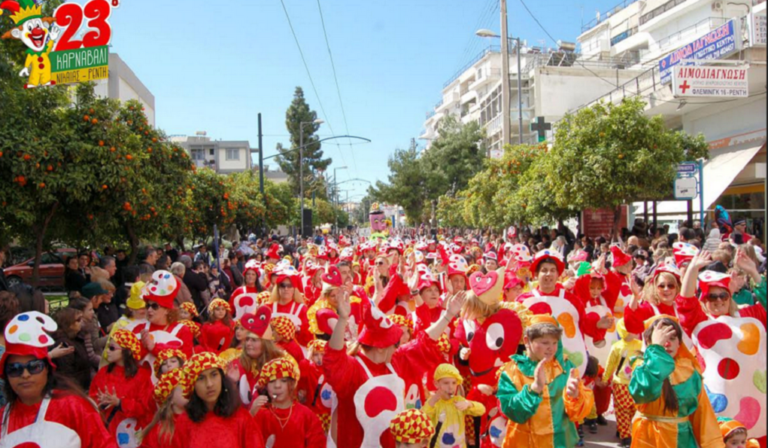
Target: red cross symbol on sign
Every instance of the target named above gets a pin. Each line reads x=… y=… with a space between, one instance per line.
x=684 y=86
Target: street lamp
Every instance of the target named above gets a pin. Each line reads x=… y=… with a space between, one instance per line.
x=301 y=166
x=505 y=75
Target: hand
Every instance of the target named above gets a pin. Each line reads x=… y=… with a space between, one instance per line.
x=569 y=284
x=600 y=383
x=55 y=31
x=456 y=302
x=572 y=387
x=24 y=72
x=486 y=389
x=464 y=354
x=148 y=342
x=463 y=405
x=605 y=323
x=344 y=308
x=60 y=351
x=302 y=396
x=701 y=260
x=747 y=265
x=662 y=334
x=539 y=378
x=257 y=404
x=107 y=399
x=233 y=373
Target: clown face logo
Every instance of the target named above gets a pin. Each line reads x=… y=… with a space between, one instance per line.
x=35 y=34
x=378 y=222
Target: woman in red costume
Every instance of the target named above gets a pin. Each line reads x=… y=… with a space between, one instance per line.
x=286 y=300
x=258 y=349
x=245 y=298
x=371 y=383
x=218 y=332
x=656 y=298
x=122 y=389
x=44 y=409
x=214 y=415
x=163 y=329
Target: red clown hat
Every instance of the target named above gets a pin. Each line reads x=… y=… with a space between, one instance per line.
x=379 y=331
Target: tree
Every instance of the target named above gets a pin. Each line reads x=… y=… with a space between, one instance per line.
x=608 y=155
x=299 y=112
x=406 y=182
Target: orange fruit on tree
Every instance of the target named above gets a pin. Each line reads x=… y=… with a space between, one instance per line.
x=101 y=142
x=112 y=149
x=129 y=157
x=94 y=121
x=86 y=118
x=104 y=187
x=27 y=157
x=42 y=185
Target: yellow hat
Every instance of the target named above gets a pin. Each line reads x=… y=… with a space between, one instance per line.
x=448 y=371
x=411 y=426
x=136 y=301
x=279 y=368
x=542 y=319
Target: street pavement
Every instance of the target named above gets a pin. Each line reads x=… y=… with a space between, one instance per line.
x=606 y=435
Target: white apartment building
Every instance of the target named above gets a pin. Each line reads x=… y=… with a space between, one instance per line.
x=653 y=34
x=222 y=156
x=552 y=82
x=122 y=84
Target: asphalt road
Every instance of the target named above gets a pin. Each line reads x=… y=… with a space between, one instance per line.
x=606 y=435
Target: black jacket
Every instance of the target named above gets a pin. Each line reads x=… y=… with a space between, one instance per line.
x=75 y=366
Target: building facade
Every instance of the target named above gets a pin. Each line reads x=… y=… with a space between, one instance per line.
x=123 y=84
x=222 y=156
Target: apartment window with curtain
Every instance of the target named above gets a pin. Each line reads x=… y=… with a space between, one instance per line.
x=198 y=154
x=233 y=154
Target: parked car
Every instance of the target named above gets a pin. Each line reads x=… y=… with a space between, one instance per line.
x=51 y=270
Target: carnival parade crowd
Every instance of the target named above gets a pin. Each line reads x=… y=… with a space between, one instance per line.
x=401 y=339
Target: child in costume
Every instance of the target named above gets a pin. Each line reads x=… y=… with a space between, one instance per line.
x=171 y=395
x=167 y=360
x=283 y=421
x=447 y=410
x=411 y=429
x=667 y=387
x=284 y=332
x=735 y=435
x=218 y=332
x=619 y=371
x=319 y=394
x=540 y=392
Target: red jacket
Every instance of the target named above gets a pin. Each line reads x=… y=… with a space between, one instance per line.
x=301 y=430
x=135 y=395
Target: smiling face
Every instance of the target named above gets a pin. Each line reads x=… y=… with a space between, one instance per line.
x=431 y=295
x=34 y=33
x=718 y=301
x=667 y=288
x=542 y=348
x=253 y=346
x=547 y=276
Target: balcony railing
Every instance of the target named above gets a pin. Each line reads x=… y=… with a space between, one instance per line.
x=660 y=10
x=490 y=49
x=605 y=16
x=698 y=29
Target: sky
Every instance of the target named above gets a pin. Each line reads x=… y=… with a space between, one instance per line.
x=213 y=66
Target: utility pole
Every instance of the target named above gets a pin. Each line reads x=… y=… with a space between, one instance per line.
x=505 y=103
x=261 y=172
x=519 y=92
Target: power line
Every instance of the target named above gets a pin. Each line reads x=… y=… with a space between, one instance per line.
x=472 y=41
x=338 y=89
x=555 y=41
x=306 y=67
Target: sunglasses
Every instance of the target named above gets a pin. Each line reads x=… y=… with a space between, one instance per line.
x=379 y=263
x=113 y=348
x=666 y=286
x=286 y=285
x=712 y=297
x=153 y=305
x=16 y=369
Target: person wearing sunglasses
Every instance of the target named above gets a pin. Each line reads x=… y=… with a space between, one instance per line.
x=44 y=408
x=122 y=389
x=163 y=319
x=656 y=298
x=287 y=300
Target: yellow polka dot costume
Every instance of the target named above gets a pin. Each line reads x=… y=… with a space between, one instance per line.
x=215 y=303
x=169 y=381
x=411 y=426
x=165 y=355
x=284 y=327
x=278 y=368
x=127 y=339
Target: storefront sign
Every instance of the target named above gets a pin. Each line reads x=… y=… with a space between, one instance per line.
x=709 y=81
x=716 y=44
x=70 y=47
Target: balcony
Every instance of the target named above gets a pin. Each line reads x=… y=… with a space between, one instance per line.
x=688 y=34
x=605 y=16
x=473 y=61
x=647 y=17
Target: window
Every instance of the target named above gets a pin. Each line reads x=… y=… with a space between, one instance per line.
x=198 y=154
x=211 y=151
x=233 y=154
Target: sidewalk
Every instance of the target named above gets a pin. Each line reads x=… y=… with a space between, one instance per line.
x=606 y=435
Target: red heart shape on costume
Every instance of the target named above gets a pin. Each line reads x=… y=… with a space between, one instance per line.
x=258 y=323
x=481 y=284
x=333 y=277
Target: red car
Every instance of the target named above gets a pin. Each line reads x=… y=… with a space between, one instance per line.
x=51 y=270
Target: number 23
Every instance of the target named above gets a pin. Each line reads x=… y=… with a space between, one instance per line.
x=70 y=16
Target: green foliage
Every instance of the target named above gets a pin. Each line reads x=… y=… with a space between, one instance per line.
x=417 y=181
x=299 y=112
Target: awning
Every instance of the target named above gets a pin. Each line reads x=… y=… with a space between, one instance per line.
x=719 y=171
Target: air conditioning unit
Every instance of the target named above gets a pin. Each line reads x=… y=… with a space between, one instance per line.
x=717 y=6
